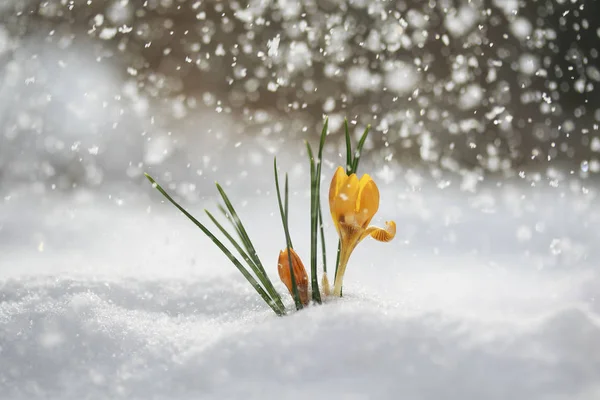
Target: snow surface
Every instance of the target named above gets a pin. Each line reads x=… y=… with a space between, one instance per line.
x=480 y=296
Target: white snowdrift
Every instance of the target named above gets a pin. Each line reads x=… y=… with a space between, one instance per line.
x=121 y=303
x=73 y=338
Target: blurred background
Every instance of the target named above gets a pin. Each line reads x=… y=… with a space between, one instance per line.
x=462 y=96
x=485 y=146
x=97 y=91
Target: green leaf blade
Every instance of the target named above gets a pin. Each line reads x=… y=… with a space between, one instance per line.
x=348 y=147
x=278 y=310
x=264 y=279
x=314 y=213
x=283 y=211
x=359 y=148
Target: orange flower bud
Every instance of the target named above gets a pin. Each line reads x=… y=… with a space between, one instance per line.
x=300 y=275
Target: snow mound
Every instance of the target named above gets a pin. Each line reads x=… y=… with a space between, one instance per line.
x=212 y=338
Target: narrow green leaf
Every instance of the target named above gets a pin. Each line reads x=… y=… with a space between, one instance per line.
x=222 y=247
x=261 y=273
x=264 y=279
x=323 y=136
x=361 y=143
x=322 y=240
x=231 y=239
x=287 y=212
x=348 y=147
x=235 y=227
x=314 y=210
x=233 y=224
x=242 y=231
x=288 y=240
x=311 y=160
x=337 y=259
x=282 y=211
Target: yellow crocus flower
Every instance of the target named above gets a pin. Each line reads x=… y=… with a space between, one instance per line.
x=353 y=203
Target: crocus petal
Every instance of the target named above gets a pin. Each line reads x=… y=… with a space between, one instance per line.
x=379 y=234
x=338 y=180
x=344 y=202
x=368 y=200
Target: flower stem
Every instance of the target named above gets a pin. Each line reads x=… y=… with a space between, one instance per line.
x=339 y=275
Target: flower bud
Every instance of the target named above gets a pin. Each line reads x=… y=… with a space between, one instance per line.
x=300 y=275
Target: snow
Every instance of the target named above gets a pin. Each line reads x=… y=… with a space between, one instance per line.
x=360 y=80
x=157 y=150
x=521 y=28
x=273 y=46
x=128 y=300
x=299 y=56
x=510 y=7
x=108 y=33
x=120 y=12
x=4 y=40
x=528 y=64
x=462 y=21
x=178 y=340
x=400 y=78
x=471 y=97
